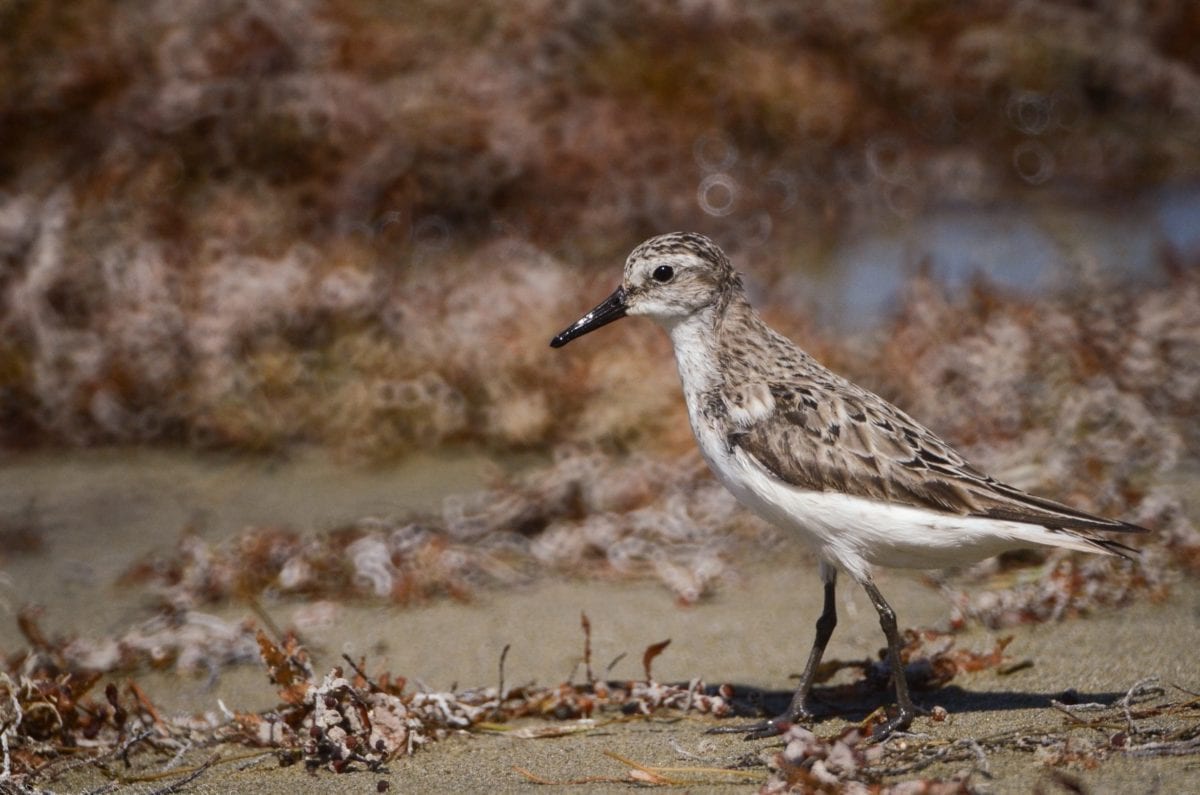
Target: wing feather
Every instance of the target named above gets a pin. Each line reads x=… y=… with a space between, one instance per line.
x=834 y=436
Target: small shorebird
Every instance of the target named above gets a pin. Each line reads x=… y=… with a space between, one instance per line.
x=859 y=480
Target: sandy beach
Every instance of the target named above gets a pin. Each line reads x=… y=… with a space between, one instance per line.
x=752 y=635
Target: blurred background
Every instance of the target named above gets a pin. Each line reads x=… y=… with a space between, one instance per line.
x=271 y=266
x=246 y=225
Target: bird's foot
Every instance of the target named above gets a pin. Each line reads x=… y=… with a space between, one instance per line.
x=768 y=728
x=900 y=722
x=755 y=731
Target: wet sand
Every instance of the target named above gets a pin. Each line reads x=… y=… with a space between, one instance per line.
x=99 y=511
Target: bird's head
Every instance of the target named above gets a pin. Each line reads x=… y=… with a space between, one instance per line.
x=668 y=278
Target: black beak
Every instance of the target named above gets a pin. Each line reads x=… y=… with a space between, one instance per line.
x=610 y=309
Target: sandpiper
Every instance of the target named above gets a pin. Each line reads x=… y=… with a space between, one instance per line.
x=859 y=480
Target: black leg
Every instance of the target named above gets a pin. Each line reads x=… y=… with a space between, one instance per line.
x=887 y=620
x=798 y=709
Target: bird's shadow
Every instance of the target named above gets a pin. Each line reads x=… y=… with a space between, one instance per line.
x=844 y=702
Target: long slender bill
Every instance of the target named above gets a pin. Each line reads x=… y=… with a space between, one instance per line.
x=610 y=309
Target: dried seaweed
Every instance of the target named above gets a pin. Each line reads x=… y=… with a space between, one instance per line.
x=51 y=722
x=586 y=514
x=183 y=640
x=813 y=764
x=342 y=720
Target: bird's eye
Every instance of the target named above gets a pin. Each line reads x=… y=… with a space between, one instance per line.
x=663 y=273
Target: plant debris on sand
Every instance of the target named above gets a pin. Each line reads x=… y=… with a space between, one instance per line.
x=586 y=514
x=1142 y=723
x=338 y=721
x=51 y=723
x=589 y=514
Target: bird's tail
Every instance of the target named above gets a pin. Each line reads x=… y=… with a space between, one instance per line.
x=1074 y=539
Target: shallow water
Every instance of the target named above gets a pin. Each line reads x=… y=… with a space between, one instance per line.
x=98 y=511
x=1024 y=246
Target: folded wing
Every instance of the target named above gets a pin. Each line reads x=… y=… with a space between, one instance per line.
x=850 y=440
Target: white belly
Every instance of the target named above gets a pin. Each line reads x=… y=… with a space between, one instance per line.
x=855 y=533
